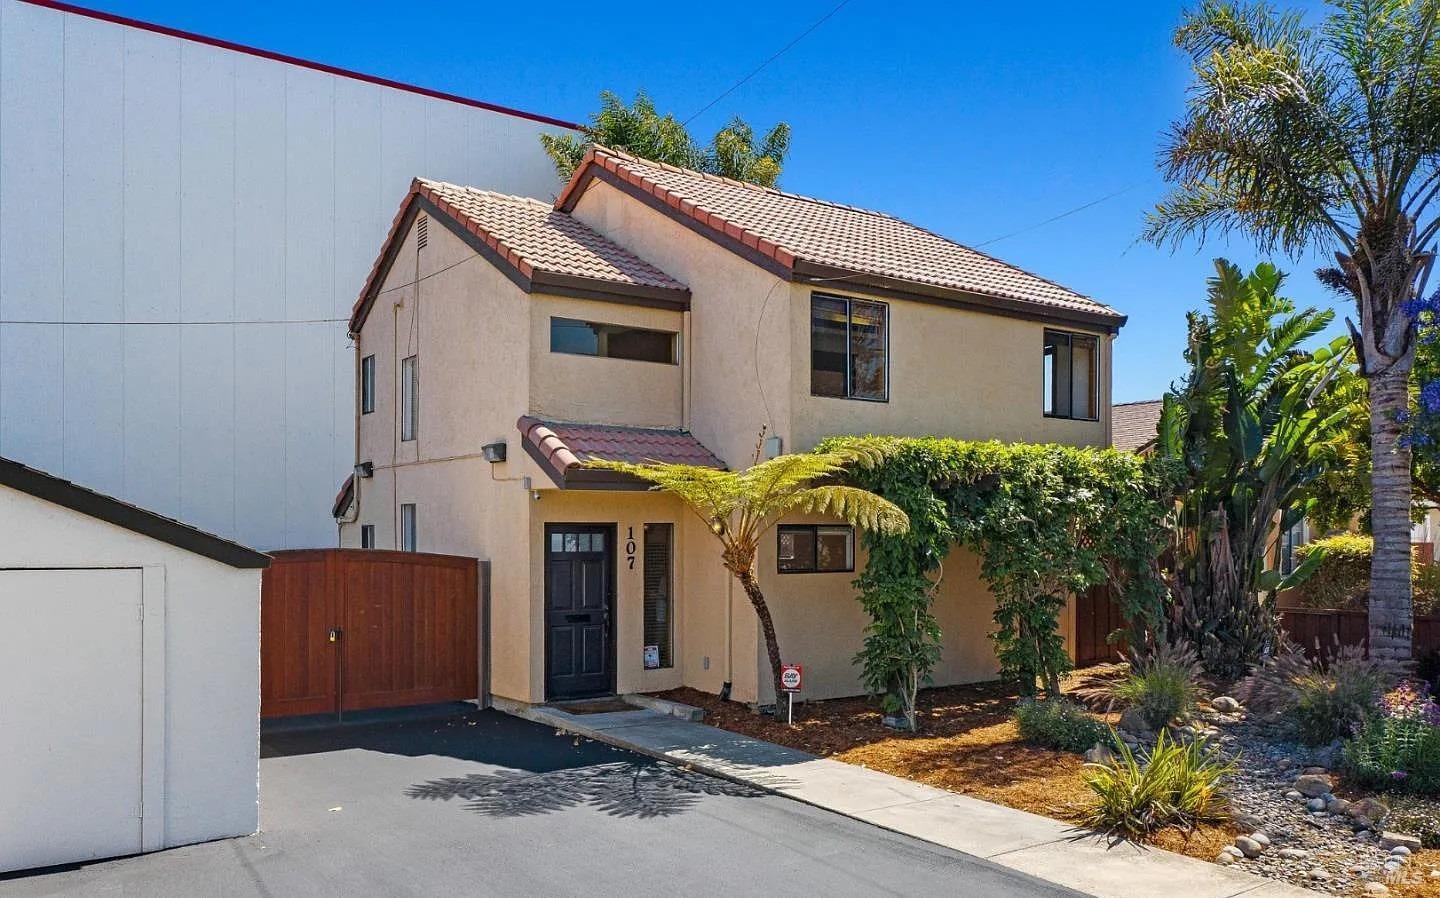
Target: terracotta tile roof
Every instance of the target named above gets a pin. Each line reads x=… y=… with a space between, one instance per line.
x=1133 y=425
x=536 y=243
x=560 y=447
x=796 y=230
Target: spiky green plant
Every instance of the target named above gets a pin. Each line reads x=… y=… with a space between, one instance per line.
x=739 y=507
x=1327 y=138
x=1244 y=425
x=1176 y=784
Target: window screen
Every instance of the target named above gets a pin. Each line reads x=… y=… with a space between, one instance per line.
x=367 y=385
x=409 y=398
x=659 y=583
x=611 y=341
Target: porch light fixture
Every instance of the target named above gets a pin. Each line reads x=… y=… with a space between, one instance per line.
x=493 y=452
x=365 y=469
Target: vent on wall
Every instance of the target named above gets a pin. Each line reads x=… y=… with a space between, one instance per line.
x=422 y=232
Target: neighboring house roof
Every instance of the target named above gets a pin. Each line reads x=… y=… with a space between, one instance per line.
x=560 y=448
x=122 y=514
x=1134 y=426
x=807 y=239
x=540 y=249
x=344 y=498
x=295 y=60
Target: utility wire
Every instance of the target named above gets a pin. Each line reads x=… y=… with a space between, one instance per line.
x=1054 y=218
x=777 y=54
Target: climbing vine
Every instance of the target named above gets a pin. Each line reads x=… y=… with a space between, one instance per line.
x=1046 y=521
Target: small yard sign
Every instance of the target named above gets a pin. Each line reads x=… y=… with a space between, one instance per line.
x=652 y=657
x=790 y=677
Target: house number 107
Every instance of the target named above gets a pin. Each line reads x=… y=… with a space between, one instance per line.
x=630 y=548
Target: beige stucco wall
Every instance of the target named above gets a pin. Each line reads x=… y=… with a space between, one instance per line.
x=569 y=387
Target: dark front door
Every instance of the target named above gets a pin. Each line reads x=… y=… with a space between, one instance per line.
x=579 y=586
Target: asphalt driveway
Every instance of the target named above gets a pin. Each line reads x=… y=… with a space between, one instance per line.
x=484 y=804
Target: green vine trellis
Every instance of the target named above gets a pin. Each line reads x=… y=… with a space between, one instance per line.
x=1046 y=521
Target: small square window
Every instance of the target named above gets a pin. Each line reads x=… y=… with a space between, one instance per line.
x=367 y=536
x=810 y=548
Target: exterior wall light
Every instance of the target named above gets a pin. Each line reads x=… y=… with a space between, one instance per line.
x=493 y=452
x=365 y=469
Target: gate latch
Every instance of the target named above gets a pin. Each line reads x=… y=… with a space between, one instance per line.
x=335 y=634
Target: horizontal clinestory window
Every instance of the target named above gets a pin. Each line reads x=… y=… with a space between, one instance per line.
x=612 y=341
x=815 y=548
x=1072 y=375
x=849 y=348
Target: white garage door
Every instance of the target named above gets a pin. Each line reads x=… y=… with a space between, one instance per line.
x=70 y=716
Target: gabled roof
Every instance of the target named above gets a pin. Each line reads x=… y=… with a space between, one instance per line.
x=1134 y=426
x=539 y=248
x=561 y=448
x=122 y=514
x=802 y=239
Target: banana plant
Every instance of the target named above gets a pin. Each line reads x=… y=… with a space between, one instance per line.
x=1244 y=426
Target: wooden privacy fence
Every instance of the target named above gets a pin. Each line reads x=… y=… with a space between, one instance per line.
x=1324 y=628
x=1097 y=615
x=348 y=629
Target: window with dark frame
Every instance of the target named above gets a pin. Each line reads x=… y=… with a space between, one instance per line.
x=612 y=341
x=409 y=398
x=1071 y=376
x=849 y=348
x=815 y=548
x=408 y=535
x=367 y=385
x=367 y=536
x=659 y=586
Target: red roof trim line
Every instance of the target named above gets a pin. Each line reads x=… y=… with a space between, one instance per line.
x=297 y=61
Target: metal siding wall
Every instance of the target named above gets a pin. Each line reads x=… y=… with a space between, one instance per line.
x=145 y=178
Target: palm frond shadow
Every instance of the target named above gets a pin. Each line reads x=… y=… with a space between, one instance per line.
x=622 y=789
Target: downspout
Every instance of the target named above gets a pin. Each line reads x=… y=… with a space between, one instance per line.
x=729 y=652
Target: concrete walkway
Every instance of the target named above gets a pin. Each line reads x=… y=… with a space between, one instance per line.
x=1048 y=849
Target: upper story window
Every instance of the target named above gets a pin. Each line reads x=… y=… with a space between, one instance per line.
x=409 y=398
x=611 y=341
x=409 y=533
x=849 y=348
x=1291 y=540
x=367 y=385
x=1072 y=375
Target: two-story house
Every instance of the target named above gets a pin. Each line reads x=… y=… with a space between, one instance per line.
x=656 y=313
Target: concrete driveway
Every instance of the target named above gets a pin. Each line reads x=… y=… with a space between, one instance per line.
x=479 y=803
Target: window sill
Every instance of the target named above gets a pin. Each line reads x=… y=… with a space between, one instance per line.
x=1071 y=418
x=851 y=398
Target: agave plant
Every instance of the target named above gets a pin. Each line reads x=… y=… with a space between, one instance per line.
x=1243 y=425
x=740 y=506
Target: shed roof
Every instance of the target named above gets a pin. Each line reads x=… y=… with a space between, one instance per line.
x=70 y=495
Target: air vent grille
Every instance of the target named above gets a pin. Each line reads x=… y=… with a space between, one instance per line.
x=422 y=232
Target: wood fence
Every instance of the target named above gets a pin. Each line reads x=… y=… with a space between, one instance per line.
x=1319 y=630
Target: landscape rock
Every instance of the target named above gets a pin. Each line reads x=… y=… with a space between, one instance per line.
x=1319 y=874
x=1400 y=851
x=1315 y=804
x=1099 y=754
x=1316 y=770
x=1133 y=721
x=1249 y=847
x=1337 y=806
x=1391 y=840
x=1249 y=821
x=1376 y=888
x=1225 y=858
x=1292 y=795
x=1293 y=854
x=1372 y=809
x=1313 y=785
x=1261 y=838
x=1224 y=704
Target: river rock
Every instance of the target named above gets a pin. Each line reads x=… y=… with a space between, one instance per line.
x=1099 y=754
x=1249 y=847
x=1313 y=785
x=1390 y=840
x=1224 y=704
x=1336 y=806
x=1133 y=720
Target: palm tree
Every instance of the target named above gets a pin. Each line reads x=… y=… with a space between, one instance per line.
x=739 y=507
x=1326 y=138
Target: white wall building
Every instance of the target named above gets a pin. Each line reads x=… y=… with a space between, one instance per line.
x=166 y=334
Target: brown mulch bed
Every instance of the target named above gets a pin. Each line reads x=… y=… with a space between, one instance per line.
x=968 y=743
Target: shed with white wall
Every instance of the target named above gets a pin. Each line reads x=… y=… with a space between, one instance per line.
x=129 y=677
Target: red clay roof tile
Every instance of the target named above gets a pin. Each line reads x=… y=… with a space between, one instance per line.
x=562 y=445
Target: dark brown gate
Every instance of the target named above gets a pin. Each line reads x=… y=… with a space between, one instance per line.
x=348 y=629
x=1097 y=615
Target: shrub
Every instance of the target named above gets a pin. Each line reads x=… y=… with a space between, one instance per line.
x=1059 y=724
x=1342 y=580
x=1398 y=749
x=1177 y=784
x=1319 y=702
x=1162 y=686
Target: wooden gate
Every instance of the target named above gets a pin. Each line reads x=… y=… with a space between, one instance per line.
x=1097 y=616
x=348 y=629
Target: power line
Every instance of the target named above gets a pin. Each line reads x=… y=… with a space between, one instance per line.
x=778 y=53
x=1054 y=218
x=175 y=323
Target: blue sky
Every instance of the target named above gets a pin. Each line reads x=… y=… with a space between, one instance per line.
x=973 y=119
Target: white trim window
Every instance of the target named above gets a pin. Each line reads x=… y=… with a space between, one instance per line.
x=408 y=533
x=409 y=398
